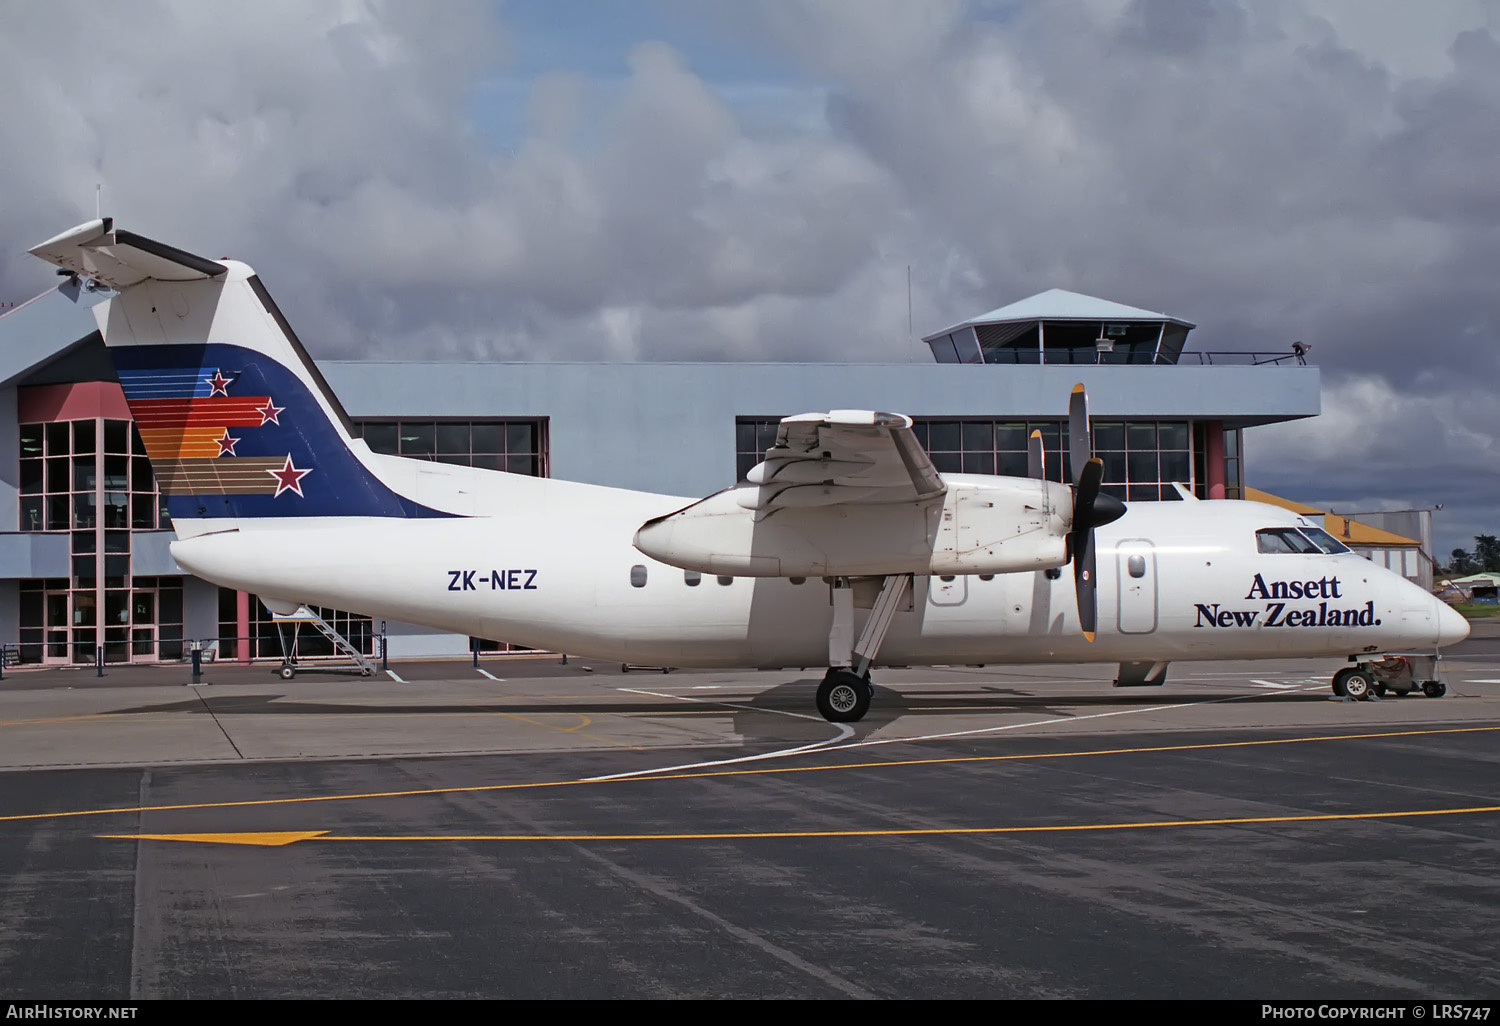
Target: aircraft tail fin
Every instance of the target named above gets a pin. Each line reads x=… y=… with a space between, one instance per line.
x=235 y=416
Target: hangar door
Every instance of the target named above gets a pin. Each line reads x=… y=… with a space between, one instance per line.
x=1135 y=570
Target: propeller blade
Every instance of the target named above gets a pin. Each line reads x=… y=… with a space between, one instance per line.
x=1083 y=581
x=1090 y=509
x=1080 y=435
x=1036 y=462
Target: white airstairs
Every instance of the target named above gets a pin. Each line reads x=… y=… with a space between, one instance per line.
x=304 y=615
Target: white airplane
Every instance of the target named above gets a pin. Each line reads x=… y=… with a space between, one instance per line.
x=270 y=492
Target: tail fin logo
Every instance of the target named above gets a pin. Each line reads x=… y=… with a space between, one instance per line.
x=288 y=478
x=186 y=433
x=233 y=432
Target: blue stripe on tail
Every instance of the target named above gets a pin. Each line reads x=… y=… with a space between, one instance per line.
x=295 y=463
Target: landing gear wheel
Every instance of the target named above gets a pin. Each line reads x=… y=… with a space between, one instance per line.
x=1379 y=689
x=1402 y=692
x=1434 y=689
x=1339 y=680
x=1358 y=684
x=843 y=697
x=287 y=671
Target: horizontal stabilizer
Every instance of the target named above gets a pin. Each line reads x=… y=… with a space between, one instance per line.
x=121 y=259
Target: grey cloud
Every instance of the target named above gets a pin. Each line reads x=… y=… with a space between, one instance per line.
x=1242 y=165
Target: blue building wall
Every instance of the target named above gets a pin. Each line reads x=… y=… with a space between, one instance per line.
x=669 y=427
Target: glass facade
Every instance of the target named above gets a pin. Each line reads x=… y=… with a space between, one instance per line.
x=752 y=437
x=1142 y=459
x=74 y=471
x=90 y=479
x=516 y=446
x=264 y=640
x=1233 y=461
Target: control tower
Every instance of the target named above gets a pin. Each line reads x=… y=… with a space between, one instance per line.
x=1058 y=326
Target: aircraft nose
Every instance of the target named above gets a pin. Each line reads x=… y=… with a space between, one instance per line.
x=1452 y=628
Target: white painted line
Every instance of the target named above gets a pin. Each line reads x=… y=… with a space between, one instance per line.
x=845 y=732
x=706 y=687
x=1271 y=684
x=392 y=674
x=488 y=674
x=1482 y=682
x=731 y=705
x=1040 y=723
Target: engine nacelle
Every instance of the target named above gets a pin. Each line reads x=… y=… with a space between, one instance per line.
x=980 y=525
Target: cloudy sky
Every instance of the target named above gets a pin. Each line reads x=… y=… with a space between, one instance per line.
x=716 y=179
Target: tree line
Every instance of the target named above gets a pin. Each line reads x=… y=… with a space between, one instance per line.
x=1484 y=558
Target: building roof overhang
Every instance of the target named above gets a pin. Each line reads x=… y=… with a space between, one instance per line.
x=1062 y=305
x=1350 y=532
x=45 y=329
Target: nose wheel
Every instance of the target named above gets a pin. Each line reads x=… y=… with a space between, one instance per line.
x=844 y=696
x=1360 y=682
x=1354 y=682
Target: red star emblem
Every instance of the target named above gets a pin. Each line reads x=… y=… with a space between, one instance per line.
x=268 y=413
x=288 y=478
x=227 y=444
x=218 y=385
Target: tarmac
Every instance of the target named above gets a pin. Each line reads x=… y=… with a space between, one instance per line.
x=547 y=830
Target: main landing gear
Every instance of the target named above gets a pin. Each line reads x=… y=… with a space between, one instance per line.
x=845 y=693
x=844 y=696
x=1398 y=675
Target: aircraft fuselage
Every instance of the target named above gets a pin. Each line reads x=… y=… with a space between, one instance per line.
x=1177 y=580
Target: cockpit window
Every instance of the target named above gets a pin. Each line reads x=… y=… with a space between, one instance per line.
x=1283 y=539
x=1325 y=541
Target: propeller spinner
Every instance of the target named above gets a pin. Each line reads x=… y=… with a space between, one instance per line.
x=1091 y=508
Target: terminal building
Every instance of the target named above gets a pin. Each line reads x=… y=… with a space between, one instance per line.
x=85 y=564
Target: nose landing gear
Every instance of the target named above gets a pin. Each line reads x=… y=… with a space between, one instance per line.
x=1399 y=674
x=1354 y=683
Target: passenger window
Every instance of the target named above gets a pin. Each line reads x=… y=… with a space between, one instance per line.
x=1283 y=540
x=691 y=578
x=638 y=576
x=1136 y=565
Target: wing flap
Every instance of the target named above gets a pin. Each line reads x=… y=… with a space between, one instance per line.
x=844 y=457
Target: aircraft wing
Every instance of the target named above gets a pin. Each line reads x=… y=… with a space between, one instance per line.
x=121 y=259
x=842 y=458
